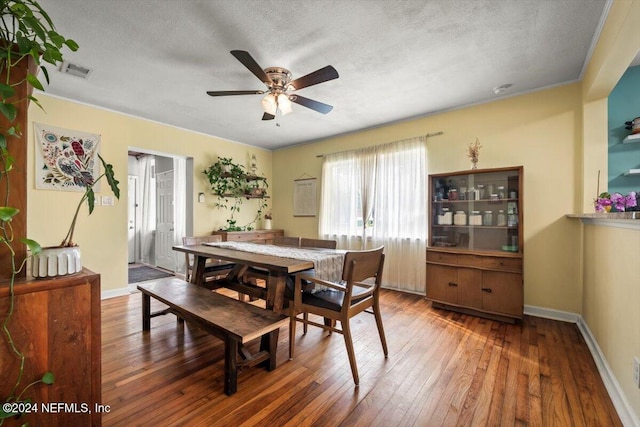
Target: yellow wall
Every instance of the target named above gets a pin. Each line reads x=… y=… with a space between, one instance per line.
x=541 y=131
x=611 y=276
x=612 y=299
x=103 y=236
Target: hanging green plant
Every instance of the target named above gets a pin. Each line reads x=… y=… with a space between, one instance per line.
x=231 y=184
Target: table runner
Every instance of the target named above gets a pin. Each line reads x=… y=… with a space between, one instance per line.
x=327 y=265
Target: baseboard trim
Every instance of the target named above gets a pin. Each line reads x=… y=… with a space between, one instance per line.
x=626 y=413
x=112 y=293
x=623 y=407
x=549 y=313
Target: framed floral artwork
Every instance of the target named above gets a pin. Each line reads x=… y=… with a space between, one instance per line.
x=68 y=159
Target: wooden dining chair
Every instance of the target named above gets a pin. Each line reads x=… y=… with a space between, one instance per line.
x=318 y=243
x=214 y=267
x=358 y=291
x=286 y=241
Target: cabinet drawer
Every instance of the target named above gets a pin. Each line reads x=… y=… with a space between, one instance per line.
x=245 y=237
x=470 y=260
x=507 y=264
x=442 y=257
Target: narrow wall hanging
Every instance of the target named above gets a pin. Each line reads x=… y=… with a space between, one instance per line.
x=304 y=196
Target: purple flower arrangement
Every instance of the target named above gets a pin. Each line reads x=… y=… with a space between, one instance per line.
x=606 y=201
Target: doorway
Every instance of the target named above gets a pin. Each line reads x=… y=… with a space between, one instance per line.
x=160 y=195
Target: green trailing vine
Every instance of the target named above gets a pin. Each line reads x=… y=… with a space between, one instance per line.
x=231 y=183
x=26 y=33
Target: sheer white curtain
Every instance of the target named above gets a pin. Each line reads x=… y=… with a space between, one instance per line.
x=179 y=210
x=377 y=196
x=400 y=219
x=148 y=202
x=340 y=205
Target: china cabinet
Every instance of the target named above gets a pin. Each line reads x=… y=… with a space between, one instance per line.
x=475 y=249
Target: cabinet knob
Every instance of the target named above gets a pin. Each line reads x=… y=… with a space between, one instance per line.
x=453 y=284
x=487 y=290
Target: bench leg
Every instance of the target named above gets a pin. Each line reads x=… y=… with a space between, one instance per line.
x=230 y=366
x=146 y=312
x=269 y=343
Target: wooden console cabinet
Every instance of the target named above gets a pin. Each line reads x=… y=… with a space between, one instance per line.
x=254 y=236
x=475 y=253
x=57 y=325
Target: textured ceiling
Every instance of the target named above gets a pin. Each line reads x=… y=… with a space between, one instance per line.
x=156 y=59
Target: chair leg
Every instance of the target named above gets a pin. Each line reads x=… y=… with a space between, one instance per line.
x=329 y=323
x=378 y=316
x=305 y=316
x=346 y=331
x=292 y=333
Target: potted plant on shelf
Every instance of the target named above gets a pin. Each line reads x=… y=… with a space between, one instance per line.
x=605 y=202
x=266 y=222
x=231 y=184
x=27 y=37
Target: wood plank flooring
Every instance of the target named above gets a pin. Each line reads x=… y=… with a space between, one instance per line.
x=443 y=368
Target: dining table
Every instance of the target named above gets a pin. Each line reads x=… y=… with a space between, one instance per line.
x=276 y=262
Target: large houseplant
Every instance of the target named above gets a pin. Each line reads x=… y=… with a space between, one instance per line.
x=27 y=34
x=231 y=184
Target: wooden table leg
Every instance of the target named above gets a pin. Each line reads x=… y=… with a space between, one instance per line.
x=146 y=312
x=197 y=275
x=230 y=366
x=275 y=292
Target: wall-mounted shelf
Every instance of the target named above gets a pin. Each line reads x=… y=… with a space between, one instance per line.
x=632 y=172
x=629 y=139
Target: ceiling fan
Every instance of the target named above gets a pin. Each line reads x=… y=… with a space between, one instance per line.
x=279 y=85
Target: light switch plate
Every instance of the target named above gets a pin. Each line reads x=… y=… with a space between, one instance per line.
x=107 y=201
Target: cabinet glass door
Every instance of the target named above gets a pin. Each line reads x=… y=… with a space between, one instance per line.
x=478 y=211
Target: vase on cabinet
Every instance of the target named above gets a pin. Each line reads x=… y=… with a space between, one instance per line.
x=56 y=261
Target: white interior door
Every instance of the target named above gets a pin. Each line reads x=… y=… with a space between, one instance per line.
x=164 y=220
x=133 y=225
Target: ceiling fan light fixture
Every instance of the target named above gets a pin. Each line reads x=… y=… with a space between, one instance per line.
x=284 y=105
x=270 y=104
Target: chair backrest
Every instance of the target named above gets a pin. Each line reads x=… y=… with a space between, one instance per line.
x=318 y=243
x=196 y=240
x=286 y=241
x=361 y=265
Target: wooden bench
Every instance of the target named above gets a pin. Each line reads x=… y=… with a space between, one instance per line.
x=233 y=321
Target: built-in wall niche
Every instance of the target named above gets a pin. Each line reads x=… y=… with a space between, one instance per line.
x=624 y=148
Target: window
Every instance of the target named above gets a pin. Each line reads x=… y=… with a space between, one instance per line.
x=377 y=196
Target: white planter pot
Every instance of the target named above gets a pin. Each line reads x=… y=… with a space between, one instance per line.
x=266 y=224
x=56 y=261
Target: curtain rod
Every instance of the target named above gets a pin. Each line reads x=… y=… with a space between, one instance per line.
x=427 y=135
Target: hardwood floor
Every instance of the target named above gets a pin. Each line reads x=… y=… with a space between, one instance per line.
x=443 y=368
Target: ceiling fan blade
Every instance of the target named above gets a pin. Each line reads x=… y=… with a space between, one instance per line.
x=322 y=75
x=234 y=92
x=310 y=103
x=267 y=116
x=251 y=64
